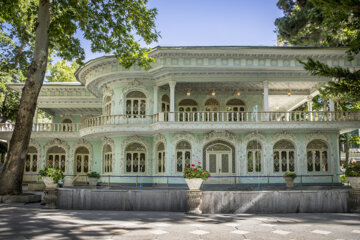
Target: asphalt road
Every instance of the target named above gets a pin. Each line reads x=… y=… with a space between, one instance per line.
x=18 y=221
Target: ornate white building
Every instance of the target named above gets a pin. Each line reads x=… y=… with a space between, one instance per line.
x=228 y=108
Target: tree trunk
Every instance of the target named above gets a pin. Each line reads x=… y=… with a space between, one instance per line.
x=13 y=170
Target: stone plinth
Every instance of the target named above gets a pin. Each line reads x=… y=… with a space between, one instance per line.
x=23 y=198
x=50 y=198
x=194 y=202
x=354 y=201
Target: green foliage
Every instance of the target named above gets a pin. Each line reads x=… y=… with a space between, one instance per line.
x=55 y=173
x=93 y=175
x=352 y=169
x=326 y=23
x=195 y=172
x=290 y=174
x=343 y=178
x=62 y=72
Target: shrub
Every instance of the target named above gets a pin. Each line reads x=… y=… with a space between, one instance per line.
x=195 y=172
x=343 y=179
x=93 y=175
x=352 y=169
x=54 y=172
x=290 y=174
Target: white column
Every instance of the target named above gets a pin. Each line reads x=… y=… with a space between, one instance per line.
x=266 y=96
x=309 y=102
x=156 y=92
x=172 y=101
x=332 y=106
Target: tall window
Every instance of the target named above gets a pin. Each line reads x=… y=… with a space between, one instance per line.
x=165 y=103
x=284 y=156
x=254 y=156
x=107 y=108
x=235 y=106
x=187 y=106
x=67 y=125
x=135 y=154
x=107 y=159
x=183 y=155
x=135 y=104
x=56 y=157
x=211 y=105
x=161 y=158
x=82 y=160
x=31 y=160
x=317 y=156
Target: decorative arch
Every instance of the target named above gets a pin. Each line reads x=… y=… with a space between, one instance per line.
x=284 y=136
x=135 y=86
x=128 y=141
x=184 y=136
x=110 y=142
x=319 y=136
x=159 y=138
x=221 y=135
x=59 y=143
x=83 y=143
x=222 y=142
x=317 y=156
x=31 y=159
x=232 y=98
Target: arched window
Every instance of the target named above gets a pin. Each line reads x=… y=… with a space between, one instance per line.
x=235 y=106
x=161 y=158
x=188 y=105
x=107 y=108
x=82 y=160
x=67 y=125
x=317 y=156
x=211 y=105
x=107 y=158
x=165 y=103
x=31 y=160
x=135 y=154
x=183 y=155
x=56 y=157
x=254 y=156
x=284 y=156
x=135 y=104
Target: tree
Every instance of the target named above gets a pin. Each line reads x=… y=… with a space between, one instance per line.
x=62 y=72
x=326 y=23
x=110 y=25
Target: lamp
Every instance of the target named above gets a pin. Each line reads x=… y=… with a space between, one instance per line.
x=238 y=93
x=289 y=93
x=81 y=115
x=213 y=93
x=188 y=92
x=61 y=115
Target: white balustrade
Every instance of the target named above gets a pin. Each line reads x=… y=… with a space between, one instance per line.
x=204 y=116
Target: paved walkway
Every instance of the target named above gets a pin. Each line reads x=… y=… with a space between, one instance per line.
x=19 y=221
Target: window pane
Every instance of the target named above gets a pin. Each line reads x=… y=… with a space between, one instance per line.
x=225 y=163
x=317 y=161
x=212 y=163
x=291 y=161
x=276 y=162
x=283 y=161
x=310 y=166
x=258 y=161
x=179 y=163
x=34 y=165
x=324 y=161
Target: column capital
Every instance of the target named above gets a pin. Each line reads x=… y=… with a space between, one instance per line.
x=309 y=98
x=156 y=87
x=172 y=84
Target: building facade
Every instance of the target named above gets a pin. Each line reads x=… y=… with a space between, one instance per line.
x=230 y=109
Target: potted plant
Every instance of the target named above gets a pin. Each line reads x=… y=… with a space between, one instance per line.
x=51 y=176
x=194 y=176
x=93 y=178
x=289 y=178
x=352 y=173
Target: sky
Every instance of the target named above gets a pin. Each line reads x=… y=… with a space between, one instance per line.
x=212 y=23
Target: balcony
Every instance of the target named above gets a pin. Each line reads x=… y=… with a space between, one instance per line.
x=199 y=121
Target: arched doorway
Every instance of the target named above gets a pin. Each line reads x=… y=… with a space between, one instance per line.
x=219 y=160
x=211 y=107
x=56 y=157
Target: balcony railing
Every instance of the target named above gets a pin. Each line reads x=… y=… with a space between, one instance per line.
x=44 y=127
x=183 y=117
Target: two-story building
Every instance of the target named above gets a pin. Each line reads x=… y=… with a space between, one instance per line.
x=231 y=109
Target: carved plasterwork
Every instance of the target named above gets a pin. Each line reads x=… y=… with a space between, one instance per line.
x=130 y=140
x=220 y=135
x=59 y=143
x=82 y=143
x=255 y=136
x=284 y=136
x=159 y=138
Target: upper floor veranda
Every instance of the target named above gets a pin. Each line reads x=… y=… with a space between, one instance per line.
x=193 y=89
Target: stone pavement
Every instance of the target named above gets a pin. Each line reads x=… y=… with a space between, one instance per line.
x=19 y=221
